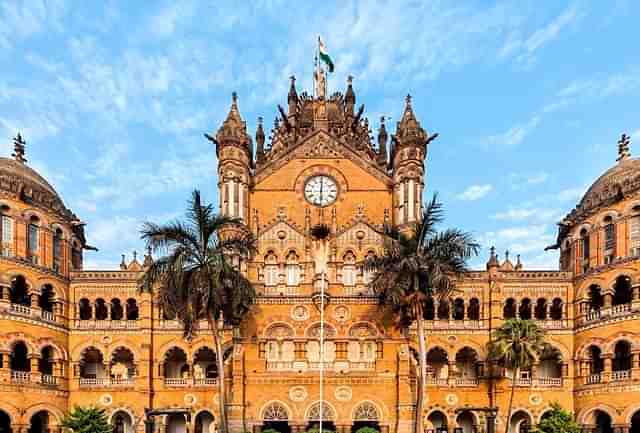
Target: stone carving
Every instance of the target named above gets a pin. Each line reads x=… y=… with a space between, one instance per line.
x=275 y=412
x=363 y=330
x=298 y=393
x=535 y=399
x=106 y=400
x=366 y=412
x=327 y=412
x=279 y=331
x=300 y=313
x=341 y=313
x=120 y=371
x=343 y=393
x=314 y=331
x=452 y=399
x=198 y=372
x=190 y=399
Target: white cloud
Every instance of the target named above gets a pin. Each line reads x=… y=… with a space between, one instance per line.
x=520 y=181
x=524 y=213
x=475 y=192
x=513 y=136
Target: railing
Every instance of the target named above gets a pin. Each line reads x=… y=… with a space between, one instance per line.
x=316 y=365
x=176 y=381
x=466 y=381
x=364 y=365
x=552 y=324
x=120 y=381
x=452 y=324
x=205 y=381
x=549 y=381
x=438 y=381
x=620 y=375
x=20 y=309
x=20 y=376
x=107 y=324
x=47 y=379
x=593 y=315
x=524 y=381
x=594 y=378
x=93 y=381
x=281 y=290
x=279 y=365
x=358 y=291
x=618 y=310
x=48 y=316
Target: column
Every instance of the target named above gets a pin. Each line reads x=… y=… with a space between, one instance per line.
x=411 y=201
x=230 y=198
x=608 y=300
x=401 y=203
x=241 y=190
x=35 y=373
x=451 y=380
x=534 y=372
x=608 y=367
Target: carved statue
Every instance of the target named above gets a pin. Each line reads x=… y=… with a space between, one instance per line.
x=320 y=255
x=198 y=372
x=321 y=83
x=120 y=371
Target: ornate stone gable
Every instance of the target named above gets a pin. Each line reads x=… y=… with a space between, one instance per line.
x=359 y=235
x=322 y=145
x=280 y=235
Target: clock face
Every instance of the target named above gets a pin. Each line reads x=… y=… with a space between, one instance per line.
x=321 y=190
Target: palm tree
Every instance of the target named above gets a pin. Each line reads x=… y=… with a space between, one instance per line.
x=198 y=277
x=417 y=265
x=517 y=344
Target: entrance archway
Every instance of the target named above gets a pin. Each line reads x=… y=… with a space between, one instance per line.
x=365 y=415
x=635 y=423
x=520 y=422
x=176 y=423
x=328 y=417
x=437 y=422
x=39 y=422
x=275 y=416
x=466 y=421
x=205 y=422
x=603 y=422
x=5 y=422
x=122 y=422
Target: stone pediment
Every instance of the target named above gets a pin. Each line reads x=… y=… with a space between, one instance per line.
x=322 y=145
x=358 y=234
x=280 y=234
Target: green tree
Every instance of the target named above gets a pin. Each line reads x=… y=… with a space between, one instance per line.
x=198 y=277
x=87 y=420
x=516 y=344
x=558 y=420
x=419 y=263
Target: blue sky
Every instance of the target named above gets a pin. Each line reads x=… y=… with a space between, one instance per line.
x=529 y=101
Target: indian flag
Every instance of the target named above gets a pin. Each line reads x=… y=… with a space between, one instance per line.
x=324 y=56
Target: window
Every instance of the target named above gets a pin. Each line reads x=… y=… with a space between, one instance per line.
x=271 y=270
x=368 y=275
x=7 y=235
x=32 y=240
x=609 y=240
x=584 y=246
x=292 y=269
x=349 y=269
x=57 y=250
x=634 y=235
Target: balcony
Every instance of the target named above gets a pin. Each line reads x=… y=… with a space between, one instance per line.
x=466 y=381
x=20 y=377
x=594 y=378
x=437 y=381
x=107 y=324
x=99 y=382
x=549 y=381
x=32 y=313
x=617 y=376
x=182 y=382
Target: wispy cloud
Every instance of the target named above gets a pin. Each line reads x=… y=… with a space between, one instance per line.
x=475 y=192
x=513 y=136
x=519 y=180
x=528 y=213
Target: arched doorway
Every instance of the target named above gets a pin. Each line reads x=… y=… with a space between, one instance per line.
x=5 y=422
x=205 y=422
x=39 y=422
x=466 y=421
x=276 y=417
x=437 y=422
x=520 y=422
x=176 y=423
x=122 y=422
x=365 y=415
x=635 y=423
x=602 y=422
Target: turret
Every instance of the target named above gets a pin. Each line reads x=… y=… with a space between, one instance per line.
x=233 y=166
x=259 y=142
x=349 y=98
x=407 y=161
x=382 y=144
x=292 y=99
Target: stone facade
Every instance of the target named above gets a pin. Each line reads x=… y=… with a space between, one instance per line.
x=78 y=337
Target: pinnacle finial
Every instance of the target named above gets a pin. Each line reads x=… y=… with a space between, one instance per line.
x=234 y=98
x=135 y=255
x=350 y=80
x=623 y=148
x=506 y=255
x=408 y=99
x=19 y=148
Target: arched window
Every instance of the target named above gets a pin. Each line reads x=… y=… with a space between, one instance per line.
x=550 y=362
x=205 y=422
x=204 y=364
x=596 y=362
x=622 y=291
x=117 y=312
x=467 y=363
x=19 y=292
x=132 y=309
x=33 y=232
x=443 y=309
x=609 y=240
x=458 y=309
x=540 y=311
x=84 y=309
x=622 y=356
x=584 y=248
x=57 y=250
x=45 y=300
x=437 y=363
x=368 y=274
x=271 y=269
x=596 y=300
x=45 y=363
x=123 y=364
x=556 y=309
x=292 y=269
x=92 y=364
x=19 y=357
x=101 y=309
x=473 y=312
x=175 y=364
x=525 y=309
x=6 y=226
x=349 y=269
x=634 y=233
x=429 y=309
x=509 y=310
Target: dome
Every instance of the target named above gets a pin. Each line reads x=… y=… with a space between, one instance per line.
x=23 y=171
x=617 y=182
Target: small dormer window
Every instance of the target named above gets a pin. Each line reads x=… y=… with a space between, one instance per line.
x=32 y=239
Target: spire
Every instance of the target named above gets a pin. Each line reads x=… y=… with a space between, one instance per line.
x=292 y=97
x=493 y=259
x=233 y=126
x=259 y=141
x=409 y=127
x=123 y=264
x=382 y=142
x=148 y=259
x=506 y=265
x=518 y=264
x=349 y=97
x=623 y=148
x=19 y=148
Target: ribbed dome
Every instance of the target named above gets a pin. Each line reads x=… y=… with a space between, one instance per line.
x=11 y=166
x=614 y=183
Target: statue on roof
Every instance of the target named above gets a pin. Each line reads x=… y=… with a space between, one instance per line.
x=320 y=80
